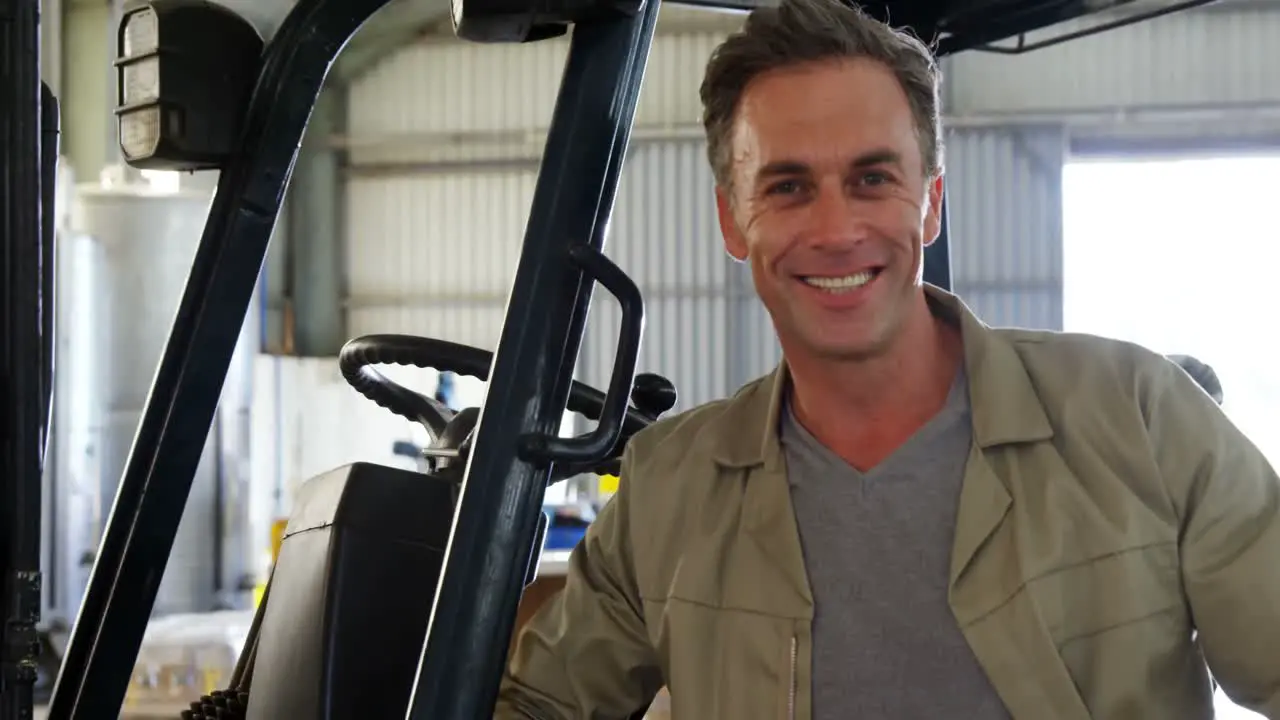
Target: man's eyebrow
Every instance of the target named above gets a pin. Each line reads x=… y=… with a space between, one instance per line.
x=791 y=168
x=877 y=157
x=782 y=168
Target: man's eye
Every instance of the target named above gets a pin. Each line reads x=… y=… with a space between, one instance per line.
x=786 y=187
x=875 y=178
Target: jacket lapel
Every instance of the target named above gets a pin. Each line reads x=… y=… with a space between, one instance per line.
x=987 y=594
x=996 y=615
x=747 y=450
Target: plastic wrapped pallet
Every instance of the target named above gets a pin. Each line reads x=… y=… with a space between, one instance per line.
x=185 y=656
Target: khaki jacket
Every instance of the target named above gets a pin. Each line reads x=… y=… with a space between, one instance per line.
x=1109 y=509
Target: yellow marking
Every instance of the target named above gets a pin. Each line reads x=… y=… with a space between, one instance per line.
x=277 y=537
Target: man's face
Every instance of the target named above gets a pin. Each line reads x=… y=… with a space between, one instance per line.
x=830 y=204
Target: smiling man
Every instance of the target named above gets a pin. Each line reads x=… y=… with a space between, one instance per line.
x=916 y=515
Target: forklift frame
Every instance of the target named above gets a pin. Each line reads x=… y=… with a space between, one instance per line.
x=29 y=126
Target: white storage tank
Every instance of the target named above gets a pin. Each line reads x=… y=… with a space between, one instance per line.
x=73 y=510
x=146 y=234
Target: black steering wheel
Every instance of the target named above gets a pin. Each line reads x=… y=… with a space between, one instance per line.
x=651 y=394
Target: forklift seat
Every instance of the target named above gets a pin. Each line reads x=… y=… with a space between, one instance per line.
x=346 y=613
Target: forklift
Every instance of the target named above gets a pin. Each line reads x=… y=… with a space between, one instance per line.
x=435 y=561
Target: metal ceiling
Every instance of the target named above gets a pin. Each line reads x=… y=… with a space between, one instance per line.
x=405 y=21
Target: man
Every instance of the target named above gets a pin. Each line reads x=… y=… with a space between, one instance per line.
x=916 y=516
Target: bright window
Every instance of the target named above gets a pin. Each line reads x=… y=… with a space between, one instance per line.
x=1182 y=256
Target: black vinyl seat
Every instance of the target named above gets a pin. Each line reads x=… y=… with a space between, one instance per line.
x=346 y=613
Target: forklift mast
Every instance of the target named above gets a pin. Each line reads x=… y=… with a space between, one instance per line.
x=29 y=133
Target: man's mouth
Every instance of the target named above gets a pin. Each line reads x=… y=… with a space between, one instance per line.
x=841 y=283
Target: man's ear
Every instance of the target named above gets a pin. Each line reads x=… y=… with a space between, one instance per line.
x=734 y=243
x=933 y=212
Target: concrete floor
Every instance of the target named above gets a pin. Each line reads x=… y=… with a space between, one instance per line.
x=154 y=712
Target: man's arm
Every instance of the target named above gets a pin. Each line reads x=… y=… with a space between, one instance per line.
x=586 y=653
x=1228 y=501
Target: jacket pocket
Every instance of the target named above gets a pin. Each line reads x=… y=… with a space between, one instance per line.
x=1108 y=592
x=1123 y=631
x=722 y=662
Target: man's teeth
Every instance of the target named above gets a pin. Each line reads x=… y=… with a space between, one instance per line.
x=841 y=284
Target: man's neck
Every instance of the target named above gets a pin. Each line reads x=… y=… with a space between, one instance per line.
x=863 y=410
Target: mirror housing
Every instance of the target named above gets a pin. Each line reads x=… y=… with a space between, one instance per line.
x=185 y=70
x=521 y=21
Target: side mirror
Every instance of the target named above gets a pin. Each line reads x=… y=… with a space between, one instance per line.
x=185 y=71
x=521 y=21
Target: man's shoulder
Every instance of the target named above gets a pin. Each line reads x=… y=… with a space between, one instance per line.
x=1051 y=350
x=1073 y=366
x=1069 y=341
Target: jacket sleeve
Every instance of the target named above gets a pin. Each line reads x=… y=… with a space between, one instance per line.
x=586 y=653
x=1227 y=497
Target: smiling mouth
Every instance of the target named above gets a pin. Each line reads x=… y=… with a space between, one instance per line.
x=843 y=283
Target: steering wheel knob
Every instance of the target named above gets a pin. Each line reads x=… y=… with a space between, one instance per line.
x=653 y=394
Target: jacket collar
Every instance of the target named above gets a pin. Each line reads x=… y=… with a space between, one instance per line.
x=1004 y=404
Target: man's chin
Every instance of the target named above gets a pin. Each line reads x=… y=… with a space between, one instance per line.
x=843 y=344
x=848 y=352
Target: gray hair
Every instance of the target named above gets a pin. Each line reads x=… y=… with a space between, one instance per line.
x=804 y=31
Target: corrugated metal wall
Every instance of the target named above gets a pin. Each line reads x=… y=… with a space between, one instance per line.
x=1223 y=57
x=665 y=235
x=1207 y=72
x=1005 y=202
x=1203 y=76
x=444 y=101
x=444 y=249
x=434 y=253
x=444 y=139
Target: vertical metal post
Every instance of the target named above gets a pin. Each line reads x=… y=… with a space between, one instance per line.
x=22 y=382
x=315 y=232
x=496 y=521
x=50 y=127
x=937 y=257
x=171 y=436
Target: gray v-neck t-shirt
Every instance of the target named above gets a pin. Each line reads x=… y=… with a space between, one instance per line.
x=877 y=548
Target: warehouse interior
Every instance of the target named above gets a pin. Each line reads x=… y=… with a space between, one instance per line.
x=1117 y=184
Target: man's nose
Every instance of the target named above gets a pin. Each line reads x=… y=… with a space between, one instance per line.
x=835 y=221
